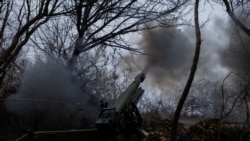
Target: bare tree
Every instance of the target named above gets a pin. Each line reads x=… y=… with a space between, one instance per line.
x=19 y=20
x=103 y=23
x=97 y=23
x=231 y=5
x=54 y=40
x=191 y=75
x=235 y=93
x=202 y=100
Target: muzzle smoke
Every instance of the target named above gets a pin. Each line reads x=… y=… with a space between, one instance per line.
x=49 y=96
x=169 y=55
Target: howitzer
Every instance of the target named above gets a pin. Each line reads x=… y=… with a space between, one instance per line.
x=120 y=118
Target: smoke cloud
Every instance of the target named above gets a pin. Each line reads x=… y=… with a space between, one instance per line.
x=169 y=55
x=170 y=51
x=236 y=55
x=49 y=96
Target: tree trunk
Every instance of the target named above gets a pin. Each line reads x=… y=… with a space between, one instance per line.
x=191 y=76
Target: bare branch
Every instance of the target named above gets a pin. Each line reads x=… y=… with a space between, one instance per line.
x=230 y=12
x=98 y=22
x=28 y=22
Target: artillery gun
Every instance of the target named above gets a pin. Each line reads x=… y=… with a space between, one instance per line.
x=119 y=119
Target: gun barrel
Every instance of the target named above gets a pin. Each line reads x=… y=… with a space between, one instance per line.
x=111 y=118
x=126 y=96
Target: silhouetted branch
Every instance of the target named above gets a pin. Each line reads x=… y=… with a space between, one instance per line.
x=230 y=12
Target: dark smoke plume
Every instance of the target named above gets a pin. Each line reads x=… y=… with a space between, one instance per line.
x=169 y=55
x=236 y=55
x=49 y=96
x=225 y=48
